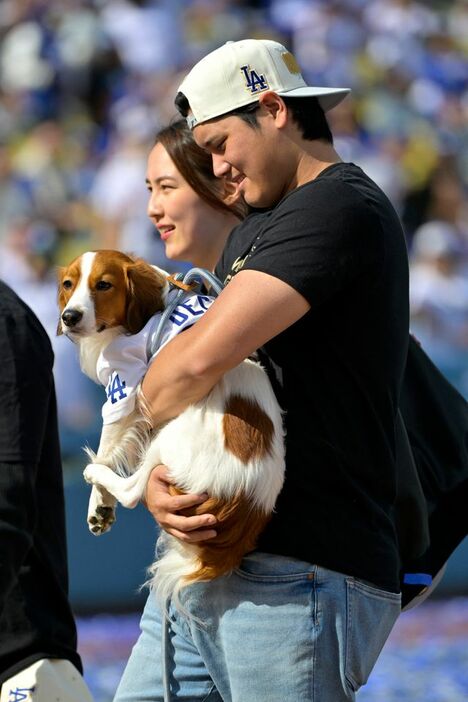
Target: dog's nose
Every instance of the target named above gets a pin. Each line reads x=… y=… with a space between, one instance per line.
x=71 y=317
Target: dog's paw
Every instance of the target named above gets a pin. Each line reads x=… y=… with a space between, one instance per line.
x=101 y=510
x=101 y=519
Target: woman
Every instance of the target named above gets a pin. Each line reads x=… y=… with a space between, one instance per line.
x=194 y=213
x=193 y=210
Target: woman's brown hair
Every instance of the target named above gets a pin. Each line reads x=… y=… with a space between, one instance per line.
x=195 y=166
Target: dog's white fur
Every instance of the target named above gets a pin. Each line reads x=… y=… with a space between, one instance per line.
x=193 y=446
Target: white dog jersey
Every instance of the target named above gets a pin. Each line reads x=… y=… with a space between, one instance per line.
x=122 y=365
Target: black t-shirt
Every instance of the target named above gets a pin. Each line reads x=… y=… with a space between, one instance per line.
x=35 y=616
x=336 y=240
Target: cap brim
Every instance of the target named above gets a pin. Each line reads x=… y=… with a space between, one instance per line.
x=327 y=97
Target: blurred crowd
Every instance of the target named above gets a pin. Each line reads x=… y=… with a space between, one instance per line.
x=85 y=84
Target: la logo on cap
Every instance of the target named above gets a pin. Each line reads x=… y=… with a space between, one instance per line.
x=254 y=82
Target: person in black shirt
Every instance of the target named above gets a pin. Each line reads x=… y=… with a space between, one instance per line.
x=38 y=645
x=319 y=282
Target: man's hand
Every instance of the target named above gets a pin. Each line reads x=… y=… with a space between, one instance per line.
x=168 y=509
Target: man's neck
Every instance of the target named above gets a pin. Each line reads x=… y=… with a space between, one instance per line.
x=315 y=157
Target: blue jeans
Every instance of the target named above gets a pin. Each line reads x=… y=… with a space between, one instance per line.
x=275 y=630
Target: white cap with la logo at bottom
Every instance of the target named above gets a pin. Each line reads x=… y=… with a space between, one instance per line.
x=239 y=71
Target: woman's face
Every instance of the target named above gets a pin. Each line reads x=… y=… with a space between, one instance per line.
x=188 y=226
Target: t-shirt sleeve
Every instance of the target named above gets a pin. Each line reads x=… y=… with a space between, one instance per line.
x=319 y=240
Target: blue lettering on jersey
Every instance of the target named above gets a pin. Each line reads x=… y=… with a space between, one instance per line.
x=187 y=306
x=178 y=317
x=116 y=386
x=191 y=308
x=20 y=694
x=204 y=301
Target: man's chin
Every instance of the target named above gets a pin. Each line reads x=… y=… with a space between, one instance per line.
x=258 y=201
x=250 y=196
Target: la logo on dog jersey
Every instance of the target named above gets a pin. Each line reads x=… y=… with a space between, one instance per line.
x=254 y=82
x=115 y=389
x=20 y=694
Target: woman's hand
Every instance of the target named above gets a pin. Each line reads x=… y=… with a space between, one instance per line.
x=168 y=509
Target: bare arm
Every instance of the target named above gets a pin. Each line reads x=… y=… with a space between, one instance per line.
x=253 y=309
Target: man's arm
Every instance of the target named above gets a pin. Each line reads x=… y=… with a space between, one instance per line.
x=253 y=308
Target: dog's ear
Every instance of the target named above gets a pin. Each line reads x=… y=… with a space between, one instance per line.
x=146 y=292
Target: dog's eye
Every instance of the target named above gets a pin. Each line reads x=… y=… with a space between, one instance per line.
x=67 y=284
x=103 y=285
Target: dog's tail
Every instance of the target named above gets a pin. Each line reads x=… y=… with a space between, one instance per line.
x=239 y=523
x=168 y=574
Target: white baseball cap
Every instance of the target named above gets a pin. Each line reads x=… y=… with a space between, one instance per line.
x=239 y=71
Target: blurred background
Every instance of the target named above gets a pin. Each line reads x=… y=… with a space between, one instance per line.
x=84 y=86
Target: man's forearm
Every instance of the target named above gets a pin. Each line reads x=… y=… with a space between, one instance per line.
x=174 y=380
x=252 y=309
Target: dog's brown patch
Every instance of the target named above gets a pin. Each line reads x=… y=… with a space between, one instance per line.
x=71 y=273
x=238 y=525
x=136 y=293
x=109 y=305
x=248 y=431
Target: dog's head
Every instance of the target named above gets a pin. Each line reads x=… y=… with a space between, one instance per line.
x=102 y=290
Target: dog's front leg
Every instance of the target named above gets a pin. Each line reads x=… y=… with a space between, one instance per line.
x=101 y=508
x=128 y=491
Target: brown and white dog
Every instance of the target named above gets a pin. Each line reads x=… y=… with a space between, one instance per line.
x=229 y=445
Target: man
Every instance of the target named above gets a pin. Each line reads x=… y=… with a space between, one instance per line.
x=38 y=657
x=319 y=282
